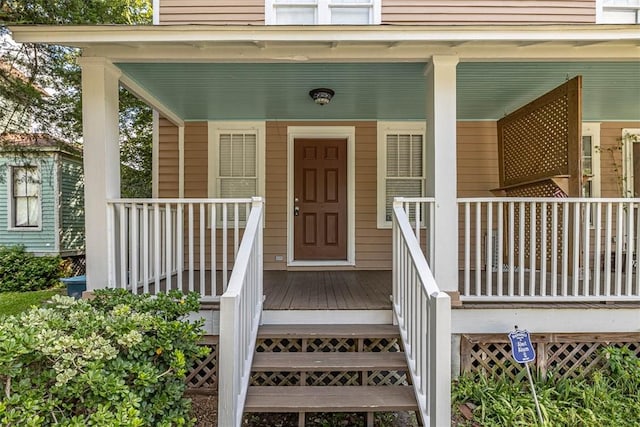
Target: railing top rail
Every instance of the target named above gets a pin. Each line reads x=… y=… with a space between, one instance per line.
x=423 y=270
x=244 y=252
x=414 y=199
x=547 y=200
x=183 y=200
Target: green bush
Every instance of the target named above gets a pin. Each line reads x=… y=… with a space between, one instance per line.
x=119 y=360
x=21 y=271
x=606 y=397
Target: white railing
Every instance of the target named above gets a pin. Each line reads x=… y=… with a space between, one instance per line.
x=420 y=212
x=573 y=249
x=240 y=315
x=156 y=245
x=423 y=313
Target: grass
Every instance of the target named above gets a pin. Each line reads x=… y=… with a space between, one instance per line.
x=16 y=302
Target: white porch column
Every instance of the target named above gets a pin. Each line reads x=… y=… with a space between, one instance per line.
x=101 y=160
x=441 y=167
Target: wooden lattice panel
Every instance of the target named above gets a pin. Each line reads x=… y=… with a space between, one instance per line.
x=275 y=379
x=333 y=378
x=382 y=345
x=387 y=378
x=279 y=345
x=203 y=376
x=542 y=139
x=564 y=355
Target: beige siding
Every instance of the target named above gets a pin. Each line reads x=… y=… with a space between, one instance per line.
x=452 y=12
x=167 y=159
x=611 y=157
x=215 y=12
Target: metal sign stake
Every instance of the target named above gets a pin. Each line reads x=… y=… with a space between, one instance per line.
x=535 y=396
x=523 y=352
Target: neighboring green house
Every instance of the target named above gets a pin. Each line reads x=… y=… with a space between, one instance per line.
x=43 y=208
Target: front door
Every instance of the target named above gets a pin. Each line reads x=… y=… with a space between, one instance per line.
x=320 y=199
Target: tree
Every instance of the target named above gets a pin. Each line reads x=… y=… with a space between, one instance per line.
x=41 y=83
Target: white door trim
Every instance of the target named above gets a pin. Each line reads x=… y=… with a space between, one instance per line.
x=330 y=132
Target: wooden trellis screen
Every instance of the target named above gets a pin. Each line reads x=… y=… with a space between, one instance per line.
x=540 y=150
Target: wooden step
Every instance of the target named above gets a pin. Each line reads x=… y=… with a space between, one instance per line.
x=328 y=331
x=330 y=399
x=329 y=361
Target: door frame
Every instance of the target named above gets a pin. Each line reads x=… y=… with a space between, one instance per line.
x=326 y=132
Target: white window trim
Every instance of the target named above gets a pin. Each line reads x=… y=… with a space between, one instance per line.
x=10 y=212
x=593 y=130
x=602 y=8
x=323 y=7
x=329 y=132
x=627 y=162
x=215 y=128
x=384 y=128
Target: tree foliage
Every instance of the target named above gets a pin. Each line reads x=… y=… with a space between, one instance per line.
x=40 y=83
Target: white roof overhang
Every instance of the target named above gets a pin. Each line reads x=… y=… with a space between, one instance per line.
x=193 y=43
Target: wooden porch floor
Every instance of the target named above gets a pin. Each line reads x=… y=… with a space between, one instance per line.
x=310 y=290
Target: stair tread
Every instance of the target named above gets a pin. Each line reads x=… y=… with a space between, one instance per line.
x=330 y=398
x=324 y=361
x=328 y=331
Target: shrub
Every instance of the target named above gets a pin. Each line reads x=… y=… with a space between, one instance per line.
x=119 y=360
x=21 y=271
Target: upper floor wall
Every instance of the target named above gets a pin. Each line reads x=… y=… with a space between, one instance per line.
x=395 y=12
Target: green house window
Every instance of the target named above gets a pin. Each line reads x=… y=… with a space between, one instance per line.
x=26 y=196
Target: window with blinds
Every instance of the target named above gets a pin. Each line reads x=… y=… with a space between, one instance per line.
x=327 y=12
x=401 y=168
x=236 y=162
x=25 y=183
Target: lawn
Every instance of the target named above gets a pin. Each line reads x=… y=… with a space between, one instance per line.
x=16 y=302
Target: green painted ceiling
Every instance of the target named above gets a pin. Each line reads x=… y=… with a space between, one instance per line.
x=386 y=91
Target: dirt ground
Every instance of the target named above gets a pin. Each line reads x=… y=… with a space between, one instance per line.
x=204 y=409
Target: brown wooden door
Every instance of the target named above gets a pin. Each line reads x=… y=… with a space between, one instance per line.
x=320 y=199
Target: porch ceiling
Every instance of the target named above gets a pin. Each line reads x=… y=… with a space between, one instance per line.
x=383 y=91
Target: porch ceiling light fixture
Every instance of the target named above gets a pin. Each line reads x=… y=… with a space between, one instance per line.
x=321 y=95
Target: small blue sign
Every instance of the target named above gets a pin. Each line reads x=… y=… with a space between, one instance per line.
x=521 y=347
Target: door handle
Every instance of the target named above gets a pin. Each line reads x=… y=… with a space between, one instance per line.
x=296 y=211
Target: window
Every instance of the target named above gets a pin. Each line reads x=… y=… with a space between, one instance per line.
x=401 y=165
x=236 y=160
x=328 y=12
x=25 y=200
x=630 y=146
x=619 y=12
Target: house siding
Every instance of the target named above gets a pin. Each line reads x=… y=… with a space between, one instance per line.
x=477 y=175
x=71 y=204
x=214 y=12
x=399 y=12
x=43 y=240
x=481 y=12
x=168 y=158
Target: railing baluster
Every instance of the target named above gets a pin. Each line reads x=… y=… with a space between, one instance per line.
x=554 y=248
x=565 y=248
x=630 y=250
x=532 y=248
x=133 y=255
x=224 y=247
x=500 y=262
x=124 y=249
x=467 y=249
x=576 y=249
x=145 y=248
x=586 y=250
x=214 y=227
x=607 y=252
x=156 y=247
x=543 y=249
x=191 y=249
x=111 y=245
x=619 y=247
x=180 y=243
x=168 y=269
x=478 y=251
x=489 y=251
x=598 y=247
x=511 y=240
x=203 y=239
x=521 y=242
x=236 y=230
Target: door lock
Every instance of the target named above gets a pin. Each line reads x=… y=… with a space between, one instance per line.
x=296 y=211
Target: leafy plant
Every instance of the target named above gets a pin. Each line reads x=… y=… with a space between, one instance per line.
x=22 y=271
x=606 y=397
x=119 y=360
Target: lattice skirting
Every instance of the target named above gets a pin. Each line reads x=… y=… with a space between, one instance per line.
x=339 y=378
x=563 y=355
x=203 y=376
x=78 y=264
